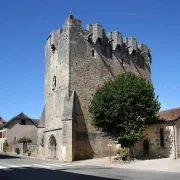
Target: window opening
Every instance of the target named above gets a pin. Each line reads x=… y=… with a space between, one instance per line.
x=93 y=53
x=23 y=122
x=161 y=132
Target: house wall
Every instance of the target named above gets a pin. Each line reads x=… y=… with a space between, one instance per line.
x=177 y=125
x=15 y=129
x=152 y=134
x=3 y=137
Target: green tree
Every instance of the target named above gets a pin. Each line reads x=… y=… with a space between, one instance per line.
x=23 y=139
x=122 y=107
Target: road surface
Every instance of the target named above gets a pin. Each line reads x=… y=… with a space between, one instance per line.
x=17 y=168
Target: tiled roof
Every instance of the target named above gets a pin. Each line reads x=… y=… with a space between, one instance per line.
x=22 y=116
x=36 y=121
x=170 y=114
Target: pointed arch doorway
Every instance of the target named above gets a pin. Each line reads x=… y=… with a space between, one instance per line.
x=52 y=147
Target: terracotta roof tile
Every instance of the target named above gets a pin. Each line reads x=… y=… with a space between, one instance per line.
x=170 y=114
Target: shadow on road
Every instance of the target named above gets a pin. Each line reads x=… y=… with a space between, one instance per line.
x=5 y=156
x=45 y=174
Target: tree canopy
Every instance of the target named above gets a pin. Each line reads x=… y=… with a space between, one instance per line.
x=122 y=107
x=23 y=139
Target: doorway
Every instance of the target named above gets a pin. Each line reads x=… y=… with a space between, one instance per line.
x=146 y=149
x=52 y=147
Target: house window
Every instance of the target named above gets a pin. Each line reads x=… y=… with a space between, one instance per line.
x=161 y=133
x=23 y=122
x=93 y=53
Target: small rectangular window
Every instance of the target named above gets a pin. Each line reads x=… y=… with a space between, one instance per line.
x=23 y=122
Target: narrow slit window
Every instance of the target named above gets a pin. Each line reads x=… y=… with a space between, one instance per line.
x=93 y=53
x=161 y=133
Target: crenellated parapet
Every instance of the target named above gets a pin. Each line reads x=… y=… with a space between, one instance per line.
x=115 y=39
x=125 y=48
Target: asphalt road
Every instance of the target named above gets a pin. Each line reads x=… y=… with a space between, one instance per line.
x=15 y=168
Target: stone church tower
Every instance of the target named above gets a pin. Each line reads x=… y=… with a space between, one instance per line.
x=77 y=61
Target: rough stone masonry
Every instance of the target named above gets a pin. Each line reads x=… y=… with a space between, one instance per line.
x=77 y=61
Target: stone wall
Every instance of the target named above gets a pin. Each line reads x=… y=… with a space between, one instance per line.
x=77 y=62
x=33 y=148
x=152 y=134
x=16 y=131
x=30 y=146
x=177 y=134
x=88 y=71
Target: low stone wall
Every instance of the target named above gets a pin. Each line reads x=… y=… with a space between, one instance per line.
x=18 y=146
x=33 y=148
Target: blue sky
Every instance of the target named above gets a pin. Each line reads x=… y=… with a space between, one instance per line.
x=25 y=25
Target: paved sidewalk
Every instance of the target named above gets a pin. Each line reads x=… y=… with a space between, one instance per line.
x=166 y=164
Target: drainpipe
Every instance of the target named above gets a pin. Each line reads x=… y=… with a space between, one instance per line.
x=174 y=141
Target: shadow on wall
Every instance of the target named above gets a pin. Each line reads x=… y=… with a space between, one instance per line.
x=160 y=146
x=82 y=146
x=88 y=142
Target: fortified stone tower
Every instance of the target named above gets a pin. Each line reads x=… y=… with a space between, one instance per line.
x=77 y=62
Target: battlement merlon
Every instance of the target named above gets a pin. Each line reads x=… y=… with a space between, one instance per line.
x=145 y=52
x=116 y=38
x=97 y=31
x=131 y=44
x=144 y=48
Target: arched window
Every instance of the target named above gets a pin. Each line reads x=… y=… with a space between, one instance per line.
x=161 y=133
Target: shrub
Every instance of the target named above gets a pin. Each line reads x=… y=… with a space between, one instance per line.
x=17 y=150
x=28 y=152
x=123 y=151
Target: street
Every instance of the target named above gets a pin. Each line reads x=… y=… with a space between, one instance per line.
x=17 y=168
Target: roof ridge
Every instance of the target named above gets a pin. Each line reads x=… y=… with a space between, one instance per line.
x=169 y=109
